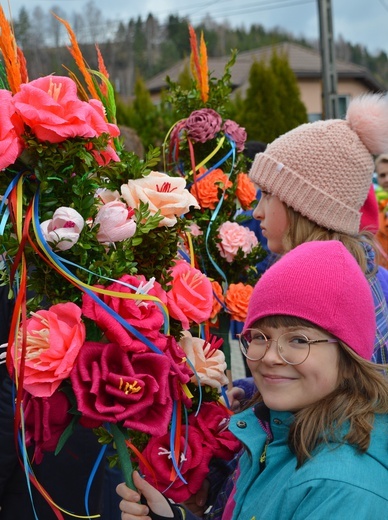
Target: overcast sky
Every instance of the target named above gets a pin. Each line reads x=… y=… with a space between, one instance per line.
x=358 y=21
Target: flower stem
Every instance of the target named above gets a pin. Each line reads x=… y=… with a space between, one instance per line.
x=122 y=451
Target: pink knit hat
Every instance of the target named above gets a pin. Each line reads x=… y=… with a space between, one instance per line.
x=320 y=282
x=324 y=169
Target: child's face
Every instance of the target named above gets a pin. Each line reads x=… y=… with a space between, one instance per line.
x=292 y=387
x=273 y=221
x=382 y=174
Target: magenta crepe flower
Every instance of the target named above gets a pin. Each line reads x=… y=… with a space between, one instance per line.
x=145 y=316
x=114 y=386
x=212 y=420
x=46 y=418
x=193 y=464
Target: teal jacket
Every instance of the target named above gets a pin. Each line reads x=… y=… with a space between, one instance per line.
x=338 y=483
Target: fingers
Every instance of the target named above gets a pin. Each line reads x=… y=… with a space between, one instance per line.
x=130 y=507
x=201 y=496
x=235 y=396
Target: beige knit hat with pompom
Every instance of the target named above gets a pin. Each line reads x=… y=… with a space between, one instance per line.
x=324 y=169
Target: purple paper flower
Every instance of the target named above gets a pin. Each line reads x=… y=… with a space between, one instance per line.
x=203 y=125
x=235 y=132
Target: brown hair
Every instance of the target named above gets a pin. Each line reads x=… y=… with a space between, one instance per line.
x=301 y=230
x=361 y=393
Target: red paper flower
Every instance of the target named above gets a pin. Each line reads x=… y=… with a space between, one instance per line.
x=144 y=316
x=46 y=418
x=195 y=460
x=111 y=385
x=212 y=420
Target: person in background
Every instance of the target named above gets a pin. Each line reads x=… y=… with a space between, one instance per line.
x=381 y=167
x=314 y=181
x=315 y=435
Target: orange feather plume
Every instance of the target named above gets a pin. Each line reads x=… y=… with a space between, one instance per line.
x=9 y=51
x=102 y=68
x=198 y=63
x=75 y=51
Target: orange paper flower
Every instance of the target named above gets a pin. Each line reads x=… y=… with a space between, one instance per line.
x=206 y=190
x=245 y=191
x=218 y=299
x=237 y=299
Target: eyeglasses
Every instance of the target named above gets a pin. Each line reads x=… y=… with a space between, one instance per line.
x=293 y=347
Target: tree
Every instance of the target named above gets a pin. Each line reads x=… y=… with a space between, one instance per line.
x=293 y=111
x=261 y=108
x=272 y=105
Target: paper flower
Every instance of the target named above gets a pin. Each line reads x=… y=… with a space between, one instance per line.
x=213 y=419
x=208 y=189
x=162 y=193
x=245 y=191
x=46 y=418
x=218 y=299
x=235 y=132
x=63 y=229
x=11 y=128
x=51 y=108
x=193 y=463
x=54 y=339
x=209 y=362
x=112 y=386
x=203 y=125
x=190 y=298
x=234 y=238
x=237 y=299
x=144 y=316
x=116 y=222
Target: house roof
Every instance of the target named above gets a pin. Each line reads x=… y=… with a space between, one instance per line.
x=305 y=63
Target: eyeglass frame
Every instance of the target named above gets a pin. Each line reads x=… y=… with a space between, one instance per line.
x=269 y=341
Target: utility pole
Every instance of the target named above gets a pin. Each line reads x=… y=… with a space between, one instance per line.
x=329 y=73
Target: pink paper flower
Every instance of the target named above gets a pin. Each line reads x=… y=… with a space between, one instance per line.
x=209 y=362
x=236 y=132
x=46 y=418
x=11 y=128
x=54 y=339
x=111 y=385
x=191 y=294
x=51 y=108
x=213 y=420
x=162 y=193
x=193 y=464
x=116 y=222
x=64 y=229
x=234 y=237
x=145 y=316
x=203 y=125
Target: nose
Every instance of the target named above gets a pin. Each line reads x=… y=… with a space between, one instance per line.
x=258 y=211
x=272 y=355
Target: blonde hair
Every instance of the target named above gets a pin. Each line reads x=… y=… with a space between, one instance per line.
x=301 y=230
x=362 y=392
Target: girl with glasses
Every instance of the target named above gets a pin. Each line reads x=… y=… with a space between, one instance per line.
x=315 y=435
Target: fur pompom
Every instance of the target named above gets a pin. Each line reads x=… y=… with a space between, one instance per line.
x=367 y=115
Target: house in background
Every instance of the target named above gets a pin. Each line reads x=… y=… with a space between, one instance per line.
x=352 y=80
